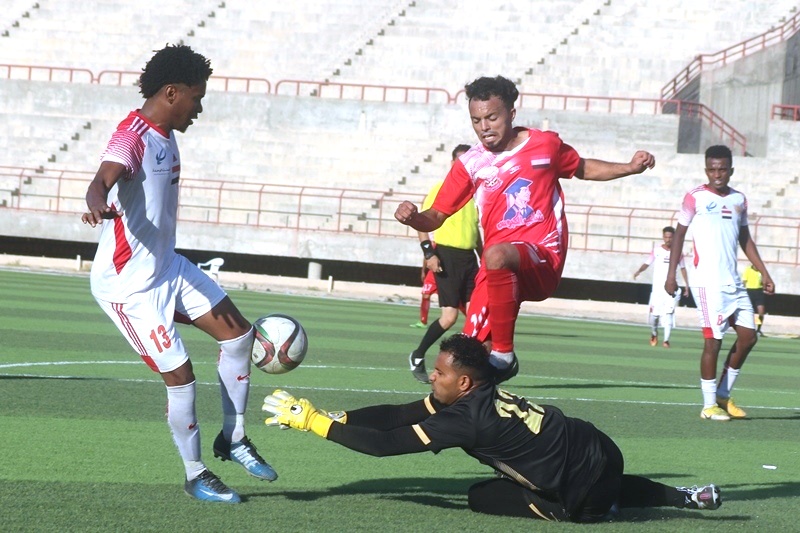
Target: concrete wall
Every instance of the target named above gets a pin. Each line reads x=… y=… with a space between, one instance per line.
x=601 y=266
x=742 y=93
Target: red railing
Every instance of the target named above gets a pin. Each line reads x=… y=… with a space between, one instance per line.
x=363 y=91
x=785 y=112
x=737 y=51
x=37 y=73
x=633 y=106
x=600 y=228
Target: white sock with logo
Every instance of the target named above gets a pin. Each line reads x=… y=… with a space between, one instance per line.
x=667 y=328
x=234 y=383
x=726 y=383
x=182 y=420
x=709 y=388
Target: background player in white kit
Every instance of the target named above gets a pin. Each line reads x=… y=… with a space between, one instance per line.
x=718 y=216
x=662 y=304
x=144 y=286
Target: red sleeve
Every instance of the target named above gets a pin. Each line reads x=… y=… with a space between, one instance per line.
x=687 y=212
x=456 y=190
x=568 y=161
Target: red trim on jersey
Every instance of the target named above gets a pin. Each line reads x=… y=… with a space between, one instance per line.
x=122 y=249
x=134 y=338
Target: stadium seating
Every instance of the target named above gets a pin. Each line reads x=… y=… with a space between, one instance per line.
x=615 y=48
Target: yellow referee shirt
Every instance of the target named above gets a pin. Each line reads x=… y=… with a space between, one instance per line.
x=752 y=278
x=460 y=230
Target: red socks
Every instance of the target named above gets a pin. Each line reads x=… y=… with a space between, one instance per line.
x=501 y=287
x=424 y=307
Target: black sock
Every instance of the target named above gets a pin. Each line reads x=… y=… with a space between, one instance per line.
x=637 y=491
x=432 y=334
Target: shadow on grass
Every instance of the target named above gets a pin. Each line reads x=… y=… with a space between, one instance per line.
x=761 y=491
x=59 y=378
x=449 y=493
x=445 y=493
x=589 y=386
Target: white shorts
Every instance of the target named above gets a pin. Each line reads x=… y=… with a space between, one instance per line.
x=147 y=319
x=722 y=307
x=662 y=303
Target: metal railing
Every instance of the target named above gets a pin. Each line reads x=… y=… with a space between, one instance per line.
x=737 y=51
x=601 y=228
x=785 y=112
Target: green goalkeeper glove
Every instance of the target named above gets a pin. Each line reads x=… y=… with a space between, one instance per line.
x=299 y=414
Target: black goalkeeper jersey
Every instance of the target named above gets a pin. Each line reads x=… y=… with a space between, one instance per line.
x=536 y=445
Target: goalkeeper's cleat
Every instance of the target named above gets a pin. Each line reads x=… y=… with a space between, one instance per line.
x=714 y=413
x=731 y=408
x=653 y=340
x=417 y=365
x=707 y=498
x=665 y=344
x=210 y=488
x=504 y=374
x=244 y=453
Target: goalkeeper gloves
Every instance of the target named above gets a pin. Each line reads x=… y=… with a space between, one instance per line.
x=299 y=414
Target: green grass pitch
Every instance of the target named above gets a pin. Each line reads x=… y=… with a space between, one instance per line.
x=84 y=445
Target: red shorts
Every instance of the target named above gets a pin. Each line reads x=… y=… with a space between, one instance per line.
x=429 y=285
x=537 y=279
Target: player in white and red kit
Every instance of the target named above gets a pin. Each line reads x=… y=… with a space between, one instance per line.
x=513 y=174
x=717 y=214
x=662 y=305
x=144 y=286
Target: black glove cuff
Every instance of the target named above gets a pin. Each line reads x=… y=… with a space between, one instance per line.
x=427 y=249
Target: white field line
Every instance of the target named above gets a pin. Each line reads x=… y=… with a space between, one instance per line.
x=384 y=391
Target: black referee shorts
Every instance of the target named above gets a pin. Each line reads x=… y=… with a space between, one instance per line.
x=457 y=279
x=756 y=296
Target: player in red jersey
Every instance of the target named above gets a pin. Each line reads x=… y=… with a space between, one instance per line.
x=513 y=174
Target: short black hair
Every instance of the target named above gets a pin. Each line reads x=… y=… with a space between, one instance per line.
x=484 y=88
x=470 y=354
x=719 y=151
x=173 y=64
x=668 y=229
x=460 y=148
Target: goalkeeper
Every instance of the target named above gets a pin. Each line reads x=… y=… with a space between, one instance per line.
x=551 y=466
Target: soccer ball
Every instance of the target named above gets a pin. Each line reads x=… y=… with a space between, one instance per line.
x=280 y=344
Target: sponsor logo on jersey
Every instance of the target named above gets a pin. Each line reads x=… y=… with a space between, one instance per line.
x=518 y=210
x=710 y=207
x=490 y=178
x=160 y=156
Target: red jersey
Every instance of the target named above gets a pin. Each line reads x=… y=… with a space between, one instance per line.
x=517 y=192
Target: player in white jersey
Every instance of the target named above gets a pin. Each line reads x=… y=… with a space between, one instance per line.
x=717 y=214
x=144 y=286
x=662 y=304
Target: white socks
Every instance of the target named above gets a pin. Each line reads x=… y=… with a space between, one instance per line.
x=234 y=383
x=709 y=388
x=182 y=420
x=729 y=376
x=501 y=360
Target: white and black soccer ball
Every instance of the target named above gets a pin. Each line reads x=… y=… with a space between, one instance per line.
x=280 y=344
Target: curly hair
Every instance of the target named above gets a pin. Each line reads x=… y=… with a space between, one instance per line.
x=173 y=64
x=484 y=88
x=469 y=354
x=719 y=151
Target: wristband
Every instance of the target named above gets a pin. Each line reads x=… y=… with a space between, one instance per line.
x=427 y=249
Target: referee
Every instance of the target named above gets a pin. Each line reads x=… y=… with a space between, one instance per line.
x=454 y=263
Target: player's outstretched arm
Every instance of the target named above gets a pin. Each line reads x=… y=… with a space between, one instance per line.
x=675 y=253
x=107 y=175
x=751 y=252
x=424 y=221
x=597 y=170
